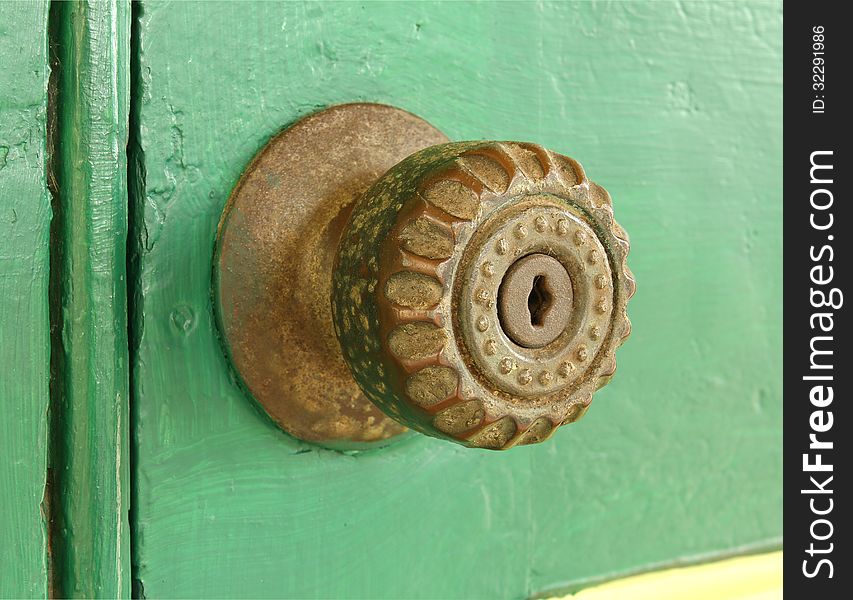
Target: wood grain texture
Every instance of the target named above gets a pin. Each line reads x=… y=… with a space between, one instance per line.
x=25 y=215
x=92 y=455
x=674 y=107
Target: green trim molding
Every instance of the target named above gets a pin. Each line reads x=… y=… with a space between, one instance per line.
x=91 y=537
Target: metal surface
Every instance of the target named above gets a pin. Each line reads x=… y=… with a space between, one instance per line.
x=419 y=270
x=273 y=265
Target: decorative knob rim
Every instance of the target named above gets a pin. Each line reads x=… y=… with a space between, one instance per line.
x=416 y=280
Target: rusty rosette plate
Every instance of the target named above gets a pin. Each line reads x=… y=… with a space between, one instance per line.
x=272 y=269
x=416 y=292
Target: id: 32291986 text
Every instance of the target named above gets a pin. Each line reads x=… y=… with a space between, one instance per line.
x=818 y=69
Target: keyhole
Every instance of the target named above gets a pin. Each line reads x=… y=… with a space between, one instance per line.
x=539 y=300
x=535 y=300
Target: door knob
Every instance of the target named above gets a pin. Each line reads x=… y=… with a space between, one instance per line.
x=477 y=290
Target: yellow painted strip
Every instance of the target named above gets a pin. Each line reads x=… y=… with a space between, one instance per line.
x=744 y=578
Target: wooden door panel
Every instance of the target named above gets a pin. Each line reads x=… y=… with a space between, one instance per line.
x=24 y=314
x=675 y=108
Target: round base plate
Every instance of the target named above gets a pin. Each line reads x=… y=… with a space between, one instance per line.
x=272 y=270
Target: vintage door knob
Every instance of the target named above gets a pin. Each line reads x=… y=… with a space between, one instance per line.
x=478 y=289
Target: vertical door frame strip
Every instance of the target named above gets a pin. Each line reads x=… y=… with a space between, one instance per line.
x=90 y=454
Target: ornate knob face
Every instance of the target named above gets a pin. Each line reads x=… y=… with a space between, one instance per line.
x=479 y=292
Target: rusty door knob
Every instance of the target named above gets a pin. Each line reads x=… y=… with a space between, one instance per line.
x=479 y=292
x=478 y=289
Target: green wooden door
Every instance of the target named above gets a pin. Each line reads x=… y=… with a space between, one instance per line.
x=134 y=463
x=675 y=108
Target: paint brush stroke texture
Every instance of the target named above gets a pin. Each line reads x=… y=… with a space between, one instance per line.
x=25 y=215
x=674 y=107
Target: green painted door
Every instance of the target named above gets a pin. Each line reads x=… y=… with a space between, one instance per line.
x=133 y=462
x=64 y=472
x=674 y=107
x=25 y=216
